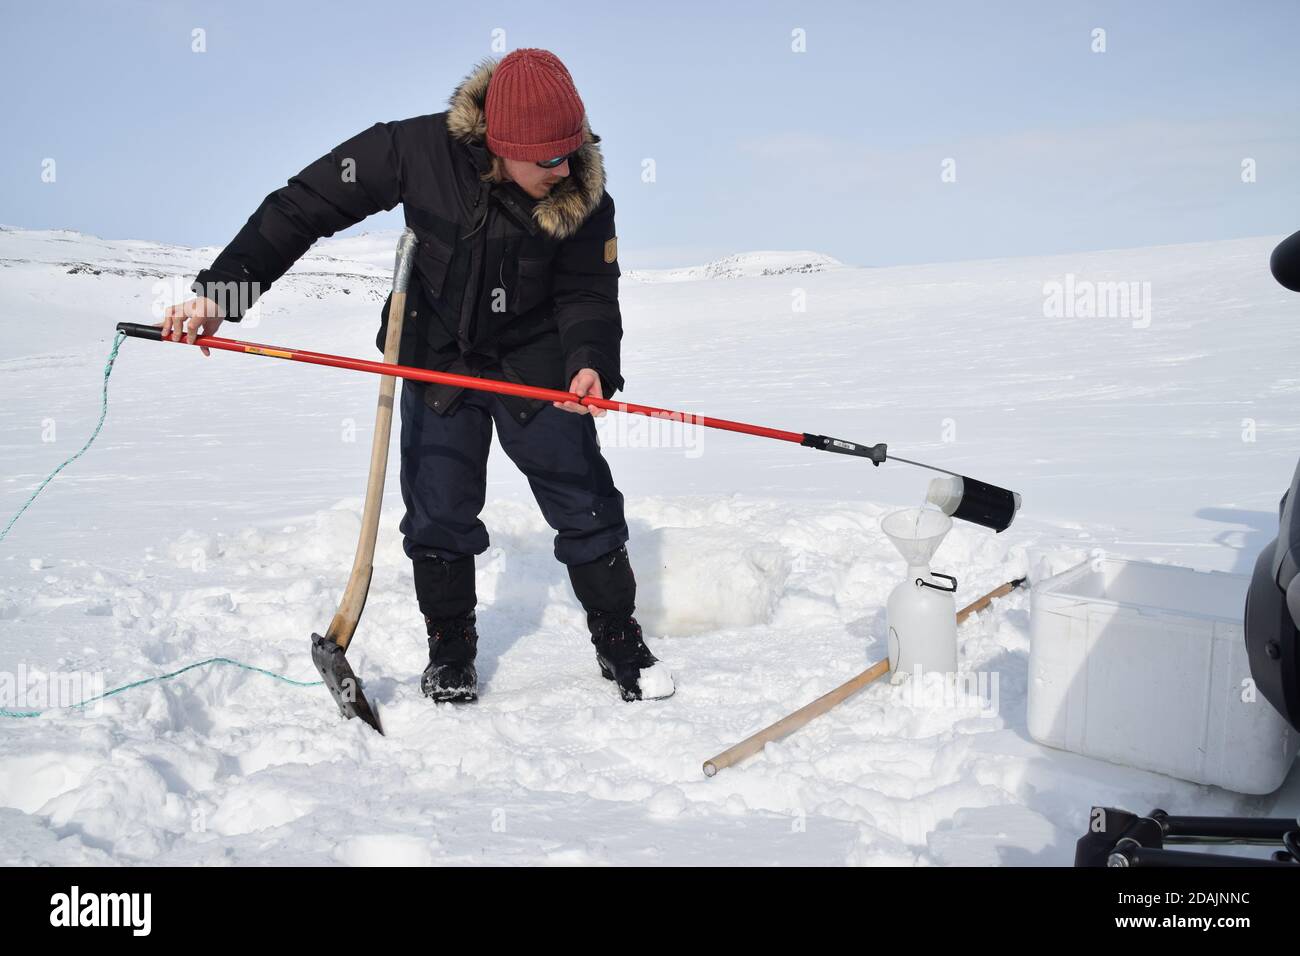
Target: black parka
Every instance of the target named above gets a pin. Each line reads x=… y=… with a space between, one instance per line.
x=504 y=287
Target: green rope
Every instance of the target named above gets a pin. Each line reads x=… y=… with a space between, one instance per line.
x=108 y=370
x=162 y=677
x=103 y=411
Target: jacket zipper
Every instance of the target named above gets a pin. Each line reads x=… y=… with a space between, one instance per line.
x=469 y=305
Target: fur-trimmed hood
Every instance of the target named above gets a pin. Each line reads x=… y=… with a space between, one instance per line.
x=571 y=201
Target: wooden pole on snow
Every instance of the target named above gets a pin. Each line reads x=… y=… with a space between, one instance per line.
x=792 y=722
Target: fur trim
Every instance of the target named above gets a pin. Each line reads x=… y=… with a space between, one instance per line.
x=572 y=200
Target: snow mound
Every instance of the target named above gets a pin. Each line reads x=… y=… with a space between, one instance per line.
x=708 y=578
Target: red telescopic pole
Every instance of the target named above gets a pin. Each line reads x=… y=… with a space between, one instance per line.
x=977 y=501
x=154 y=333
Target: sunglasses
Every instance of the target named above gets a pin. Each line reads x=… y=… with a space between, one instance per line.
x=557 y=161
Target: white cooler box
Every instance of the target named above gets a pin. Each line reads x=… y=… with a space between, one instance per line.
x=1145 y=665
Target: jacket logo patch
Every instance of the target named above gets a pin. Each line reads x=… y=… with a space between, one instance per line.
x=611 y=249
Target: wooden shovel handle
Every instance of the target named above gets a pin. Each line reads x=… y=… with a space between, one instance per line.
x=353 y=602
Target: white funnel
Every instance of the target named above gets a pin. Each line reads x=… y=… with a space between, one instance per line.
x=916 y=533
x=921 y=614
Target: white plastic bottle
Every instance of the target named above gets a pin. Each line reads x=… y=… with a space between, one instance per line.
x=921 y=611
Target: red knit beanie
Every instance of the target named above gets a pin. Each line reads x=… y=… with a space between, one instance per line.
x=533 y=110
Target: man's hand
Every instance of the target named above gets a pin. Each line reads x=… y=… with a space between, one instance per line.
x=586 y=382
x=192 y=319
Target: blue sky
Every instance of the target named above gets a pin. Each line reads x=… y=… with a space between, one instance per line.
x=838 y=149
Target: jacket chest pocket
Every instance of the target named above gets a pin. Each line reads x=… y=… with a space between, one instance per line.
x=532 y=284
x=433 y=261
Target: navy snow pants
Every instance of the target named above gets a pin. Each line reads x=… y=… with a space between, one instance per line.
x=444 y=477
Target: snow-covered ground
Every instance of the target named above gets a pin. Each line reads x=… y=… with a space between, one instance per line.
x=217 y=515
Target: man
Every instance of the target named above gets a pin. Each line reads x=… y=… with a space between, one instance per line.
x=516 y=278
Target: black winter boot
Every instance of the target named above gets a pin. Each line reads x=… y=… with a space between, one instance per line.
x=445 y=591
x=606 y=589
x=450 y=676
x=624 y=658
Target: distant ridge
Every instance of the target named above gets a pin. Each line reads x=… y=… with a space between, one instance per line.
x=742 y=265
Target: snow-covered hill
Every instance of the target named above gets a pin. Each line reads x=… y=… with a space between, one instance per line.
x=217 y=514
x=743 y=265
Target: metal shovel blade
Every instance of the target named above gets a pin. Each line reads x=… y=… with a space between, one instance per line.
x=342 y=681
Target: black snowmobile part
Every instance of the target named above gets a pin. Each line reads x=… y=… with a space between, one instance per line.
x=342 y=681
x=1273 y=610
x=1118 y=838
